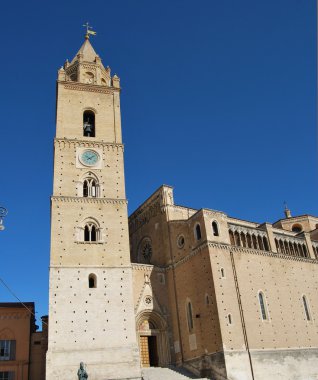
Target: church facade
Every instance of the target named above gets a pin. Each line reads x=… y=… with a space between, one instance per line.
x=170 y=285
x=224 y=296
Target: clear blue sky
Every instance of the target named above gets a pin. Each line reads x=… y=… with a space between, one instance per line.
x=218 y=100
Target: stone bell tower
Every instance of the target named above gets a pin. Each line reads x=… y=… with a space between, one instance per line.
x=91 y=317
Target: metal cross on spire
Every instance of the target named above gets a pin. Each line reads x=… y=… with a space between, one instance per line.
x=89 y=30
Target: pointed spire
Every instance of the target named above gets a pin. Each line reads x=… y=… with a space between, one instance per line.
x=86 y=52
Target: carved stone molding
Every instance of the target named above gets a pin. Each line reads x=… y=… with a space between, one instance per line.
x=214 y=213
x=89 y=87
x=81 y=267
x=82 y=200
x=247 y=230
x=63 y=142
x=289 y=239
x=243 y=250
x=147 y=267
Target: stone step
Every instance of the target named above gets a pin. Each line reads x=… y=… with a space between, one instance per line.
x=172 y=373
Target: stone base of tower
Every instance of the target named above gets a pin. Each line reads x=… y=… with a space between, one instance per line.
x=117 y=363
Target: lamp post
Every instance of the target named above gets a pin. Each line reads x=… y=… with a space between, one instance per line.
x=3 y=213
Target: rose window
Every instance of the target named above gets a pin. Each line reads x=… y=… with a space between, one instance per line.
x=148 y=300
x=147 y=250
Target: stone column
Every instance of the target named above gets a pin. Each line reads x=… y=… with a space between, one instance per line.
x=270 y=237
x=309 y=246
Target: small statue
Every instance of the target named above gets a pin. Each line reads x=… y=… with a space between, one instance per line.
x=206 y=367
x=81 y=373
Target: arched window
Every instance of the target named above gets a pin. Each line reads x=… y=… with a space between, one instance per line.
x=89 y=124
x=262 y=306
x=90 y=188
x=243 y=239
x=306 y=308
x=260 y=243
x=297 y=228
x=232 y=237
x=92 y=281
x=189 y=316
x=145 y=250
x=237 y=239
x=89 y=77
x=207 y=299
x=198 y=232
x=265 y=243
x=222 y=272
x=215 y=229
x=86 y=234
x=91 y=232
x=249 y=241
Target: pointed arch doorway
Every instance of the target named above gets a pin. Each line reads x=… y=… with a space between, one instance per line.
x=153 y=340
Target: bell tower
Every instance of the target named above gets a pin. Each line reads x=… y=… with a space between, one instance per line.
x=91 y=316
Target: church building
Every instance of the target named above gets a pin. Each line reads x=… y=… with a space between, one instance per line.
x=170 y=285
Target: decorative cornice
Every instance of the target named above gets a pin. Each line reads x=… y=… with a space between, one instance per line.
x=88 y=200
x=90 y=266
x=147 y=267
x=87 y=143
x=77 y=86
x=227 y=247
x=291 y=239
x=246 y=230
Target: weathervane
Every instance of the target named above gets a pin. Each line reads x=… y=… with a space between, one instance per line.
x=89 y=31
x=3 y=213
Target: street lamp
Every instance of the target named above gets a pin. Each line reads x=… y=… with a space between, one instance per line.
x=3 y=213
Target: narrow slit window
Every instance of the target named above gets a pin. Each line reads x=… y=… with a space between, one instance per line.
x=190 y=316
x=306 y=308
x=229 y=317
x=262 y=306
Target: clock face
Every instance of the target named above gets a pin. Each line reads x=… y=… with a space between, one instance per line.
x=89 y=158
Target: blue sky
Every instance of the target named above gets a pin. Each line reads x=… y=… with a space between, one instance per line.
x=218 y=100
